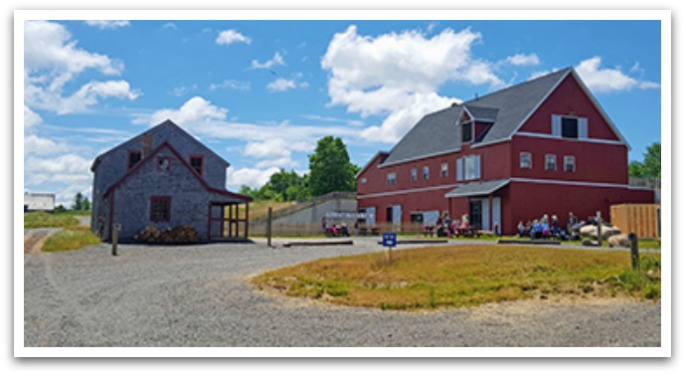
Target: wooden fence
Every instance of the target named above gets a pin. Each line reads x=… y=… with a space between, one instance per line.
x=641 y=219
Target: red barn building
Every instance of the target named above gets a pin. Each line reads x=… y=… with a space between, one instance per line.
x=541 y=147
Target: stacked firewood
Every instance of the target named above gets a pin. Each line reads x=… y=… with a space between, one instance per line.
x=176 y=235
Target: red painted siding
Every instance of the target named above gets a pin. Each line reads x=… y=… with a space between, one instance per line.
x=595 y=162
x=479 y=128
x=531 y=201
x=569 y=99
x=421 y=201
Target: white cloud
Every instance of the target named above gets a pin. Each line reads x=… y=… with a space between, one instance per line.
x=282 y=84
x=101 y=24
x=398 y=75
x=400 y=121
x=52 y=60
x=600 y=79
x=48 y=46
x=231 y=84
x=170 y=26
x=192 y=114
x=523 y=59
x=251 y=177
x=87 y=96
x=31 y=119
x=276 y=60
x=183 y=90
x=35 y=145
x=227 y=37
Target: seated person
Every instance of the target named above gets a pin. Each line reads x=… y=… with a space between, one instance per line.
x=536 y=230
x=522 y=230
x=545 y=230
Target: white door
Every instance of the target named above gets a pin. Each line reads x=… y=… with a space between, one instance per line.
x=397 y=214
x=485 y=204
x=371 y=218
x=497 y=212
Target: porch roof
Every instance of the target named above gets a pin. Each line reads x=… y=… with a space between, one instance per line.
x=477 y=188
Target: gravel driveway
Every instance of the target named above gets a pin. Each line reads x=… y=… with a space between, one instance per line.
x=199 y=296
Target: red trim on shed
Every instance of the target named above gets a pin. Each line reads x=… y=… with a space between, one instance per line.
x=128 y=159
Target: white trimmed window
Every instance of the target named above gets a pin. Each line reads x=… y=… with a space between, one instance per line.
x=468 y=168
x=569 y=163
x=550 y=162
x=525 y=160
x=426 y=173
x=569 y=127
x=392 y=179
x=443 y=169
x=414 y=175
x=363 y=180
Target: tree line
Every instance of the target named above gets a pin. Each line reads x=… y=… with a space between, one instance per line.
x=330 y=170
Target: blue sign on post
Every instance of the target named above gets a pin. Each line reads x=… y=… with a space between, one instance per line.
x=389 y=239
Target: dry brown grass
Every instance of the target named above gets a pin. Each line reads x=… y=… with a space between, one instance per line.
x=455 y=276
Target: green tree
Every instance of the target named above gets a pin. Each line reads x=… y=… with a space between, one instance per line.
x=650 y=167
x=78 y=202
x=86 y=204
x=330 y=168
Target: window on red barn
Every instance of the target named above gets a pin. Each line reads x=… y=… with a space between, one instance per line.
x=198 y=164
x=426 y=173
x=443 y=169
x=569 y=163
x=550 y=162
x=414 y=175
x=525 y=160
x=391 y=179
x=134 y=157
x=160 y=208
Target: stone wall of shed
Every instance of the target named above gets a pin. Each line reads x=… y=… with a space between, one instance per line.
x=189 y=199
x=114 y=164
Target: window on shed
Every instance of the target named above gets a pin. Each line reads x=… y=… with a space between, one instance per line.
x=160 y=208
x=392 y=179
x=134 y=157
x=198 y=164
x=569 y=163
x=550 y=162
x=414 y=175
x=443 y=170
x=426 y=173
x=163 y=164
x=525 y=160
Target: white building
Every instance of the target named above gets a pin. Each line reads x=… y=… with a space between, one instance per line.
x=39 y=202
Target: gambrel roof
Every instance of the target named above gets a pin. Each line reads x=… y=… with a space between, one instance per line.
x=507 y=110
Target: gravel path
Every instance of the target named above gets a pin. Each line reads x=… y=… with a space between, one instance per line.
x=35 y=238
x=199 y=296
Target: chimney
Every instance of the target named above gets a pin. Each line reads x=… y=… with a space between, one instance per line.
x=147 y=145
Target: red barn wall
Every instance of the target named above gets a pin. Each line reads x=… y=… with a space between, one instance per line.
x=569 y=99
x=596 y=162
x=532 y=200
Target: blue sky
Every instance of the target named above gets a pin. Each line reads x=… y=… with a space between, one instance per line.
x=260 y=93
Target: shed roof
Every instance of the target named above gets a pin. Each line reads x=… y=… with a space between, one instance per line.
x=477 y=188
x=166 y=125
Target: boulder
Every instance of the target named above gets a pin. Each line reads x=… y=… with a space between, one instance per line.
x=619 y=240
x=607 y=231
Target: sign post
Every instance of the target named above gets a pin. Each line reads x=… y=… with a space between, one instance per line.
x=389 y=241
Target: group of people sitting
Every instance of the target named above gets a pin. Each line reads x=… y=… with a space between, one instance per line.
x=336 y=230
x=446 y=227
x=551 y=228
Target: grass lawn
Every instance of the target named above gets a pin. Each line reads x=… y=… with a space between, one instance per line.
x=45 y=220
x=261 y=208
x=456 y=276
x=74 y=238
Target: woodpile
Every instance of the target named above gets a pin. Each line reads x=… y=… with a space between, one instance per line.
x=176 y=235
